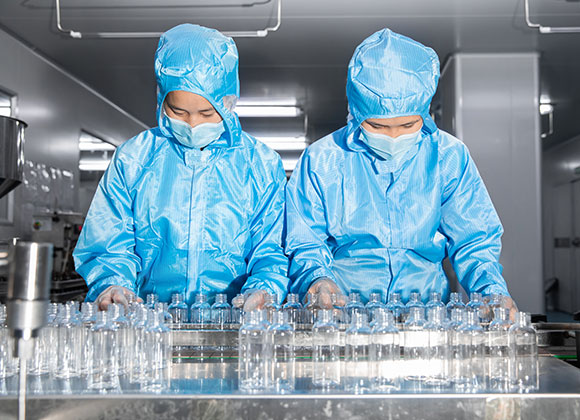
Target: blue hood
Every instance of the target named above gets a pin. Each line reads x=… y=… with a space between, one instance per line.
x=390 y=76
x=202 y=61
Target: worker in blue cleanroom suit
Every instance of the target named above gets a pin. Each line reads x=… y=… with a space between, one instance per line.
x=378 y=204
x=195 y=204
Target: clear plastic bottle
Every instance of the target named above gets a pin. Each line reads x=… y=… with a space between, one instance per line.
x=435 y=301
x=271 y=306
x=70 y=334
x=356 y=354
x=375 y=302
x=396 y=307
x=283 y=364
x=138 y=360
x=158 y=347
x=125 y=338
x=253 y=357
x=51 y=337
x=293 y=310
x=311 y=310
x=498 y=351
x=353 y=305
x=524 y=354
x=104 y=374
x=151 y=300
x=325 y=351
x=438 y=352
x=237 y=309
x=385 y=354
x=7 y=362
x=471 y=371
x=178 y=309
x=200 y=310
x=454 y=302
x=416 y=345
x=338 y=301
x=221 y=311
x=414 y=302
x=453 y=326
x=88 y=319
x=477 y=305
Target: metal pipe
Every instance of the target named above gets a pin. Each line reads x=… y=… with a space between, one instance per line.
x=261 y=33
x=547 y=29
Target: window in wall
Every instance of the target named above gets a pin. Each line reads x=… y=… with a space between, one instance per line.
x=6 y=203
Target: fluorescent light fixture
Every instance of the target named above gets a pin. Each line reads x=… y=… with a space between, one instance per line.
x=285 y=143
x=546 y=109
x=252 y=111
x=86 y=146
x=267 y=102
x=289 y=164
x=93 y=165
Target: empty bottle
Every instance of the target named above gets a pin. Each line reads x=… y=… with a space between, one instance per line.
x=138 y=359
x=396 y=307
x=237 y=309
x=51 y=336
x=221 y=311
x=499 y=352
x=353 y=305
x=356 y=354
x=338 y=311
x=7 y=362
x=416 y=345
x=271 y=306
x=88 y=319
x=454 y=302
x=325 y=351
x=375 y=302
x=70 y=335
x=151 y=300
x=435 y=301
x=293 y=310
x=116 y=315
x=471 y=370
x=178 y=309
x=158 y=347
x=524 y=354
x=200 y=310
x=104 y=374
x=385 y=355
x=283 y=364
x=253 y=354
x=456 y=357
x=414 y=302
x=438 y=352
x=477 y=305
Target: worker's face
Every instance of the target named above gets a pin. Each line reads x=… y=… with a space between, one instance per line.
x=191 y=108
x=394 y=127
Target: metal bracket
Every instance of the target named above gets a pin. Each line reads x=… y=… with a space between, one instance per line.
x=261 y=33
x=547 y=29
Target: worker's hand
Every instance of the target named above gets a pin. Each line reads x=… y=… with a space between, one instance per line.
x=116 y=294
x=254 y=299
x=323 y=289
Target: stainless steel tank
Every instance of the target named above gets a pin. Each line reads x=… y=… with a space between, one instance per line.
x=11 y=153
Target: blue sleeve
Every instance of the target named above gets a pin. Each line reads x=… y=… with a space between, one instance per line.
x=105 y=252
x=267 y=264
x=472 y=227
x=306 y=238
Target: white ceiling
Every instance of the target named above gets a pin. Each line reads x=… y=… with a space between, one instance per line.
x=308 y=55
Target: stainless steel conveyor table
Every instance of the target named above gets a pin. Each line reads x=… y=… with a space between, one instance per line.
x=208 y=390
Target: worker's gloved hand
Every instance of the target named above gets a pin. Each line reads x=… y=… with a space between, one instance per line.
x=116 y=294
x=320 y=293
x=254 y=299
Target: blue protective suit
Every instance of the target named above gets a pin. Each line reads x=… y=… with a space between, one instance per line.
x=380 y=225
x=167 y=218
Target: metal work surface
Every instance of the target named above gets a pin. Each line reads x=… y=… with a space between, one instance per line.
x=208 y=390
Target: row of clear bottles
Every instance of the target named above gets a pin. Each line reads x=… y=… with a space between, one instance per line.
x=98 y=346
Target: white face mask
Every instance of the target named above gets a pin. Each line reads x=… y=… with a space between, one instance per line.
x=387 y=147
x=196 y=137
